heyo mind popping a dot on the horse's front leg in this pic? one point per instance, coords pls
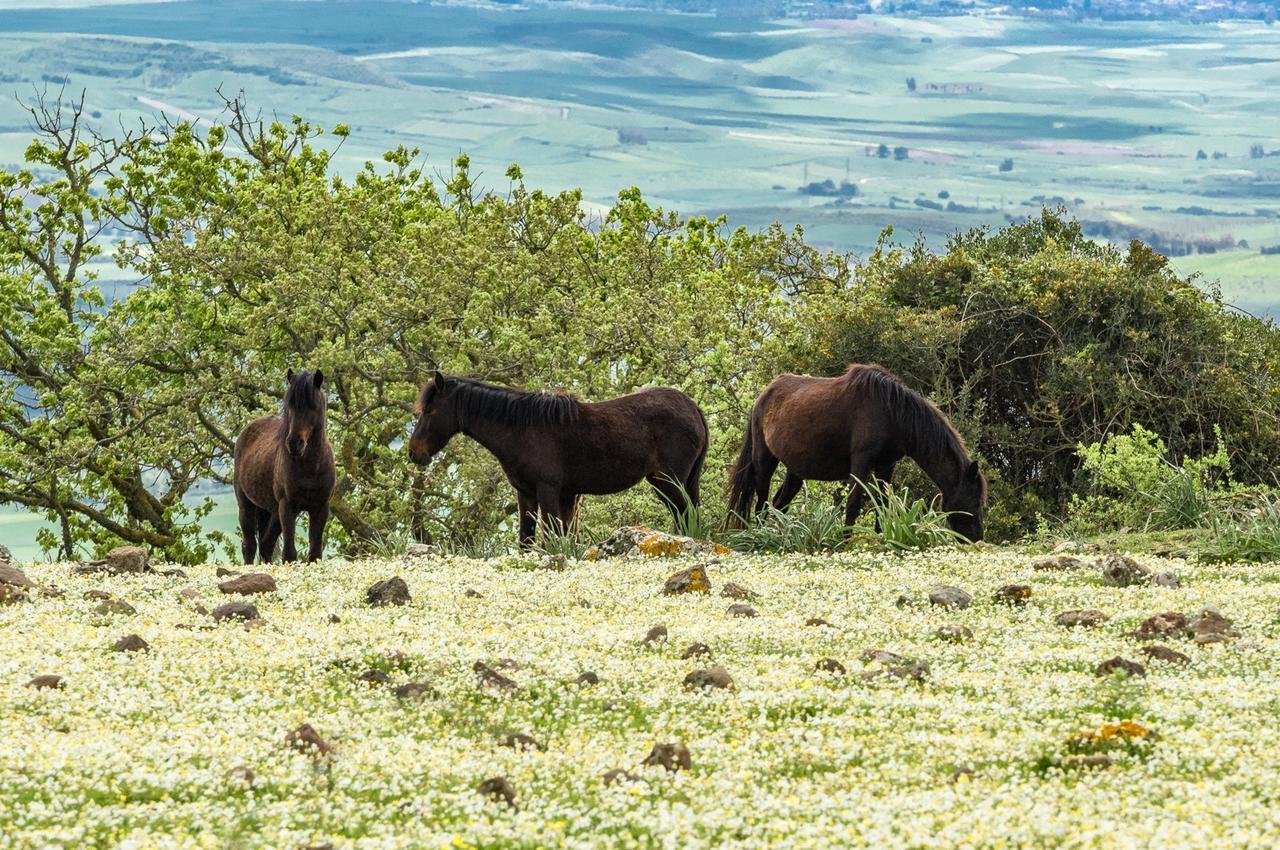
(858, 472)
(288, 519)
(315, 532)
(549, 504)
(528, 507)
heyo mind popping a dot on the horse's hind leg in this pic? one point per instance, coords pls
(248, 527)
(764, 466)
(669, 493)
(791, 484)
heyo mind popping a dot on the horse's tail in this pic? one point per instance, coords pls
(693, 483)
(742, 479)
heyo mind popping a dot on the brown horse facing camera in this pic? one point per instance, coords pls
(283, 466)
(555, 449)
(852, 428)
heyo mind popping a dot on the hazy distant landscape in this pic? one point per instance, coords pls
(1164, 131)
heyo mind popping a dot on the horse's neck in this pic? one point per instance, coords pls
(943, 469)
(494, 436)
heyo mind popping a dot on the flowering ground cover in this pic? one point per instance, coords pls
(984, 726)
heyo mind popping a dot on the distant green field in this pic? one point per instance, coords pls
(730, 115)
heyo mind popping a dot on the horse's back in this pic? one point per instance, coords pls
(807, 423)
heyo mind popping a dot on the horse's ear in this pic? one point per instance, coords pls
(288, 376)
(438, 379)
(318, 378)
(971, 472)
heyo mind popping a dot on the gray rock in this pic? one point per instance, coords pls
(412, 690)
(556, 563)
(1166, 579)
(829, 665)
(5, 554)
(392, 591)
(587, 679)
(618, 775)
(47, 681)
(655, 634)
(1058, 562)
(949, 597)
(1123, 571)
(733, 590)
(882, 656)
(695, 650)
(236, 611)
(420, 550)
(741, 609)
(11, 595)
(128, 559)
(520, 741)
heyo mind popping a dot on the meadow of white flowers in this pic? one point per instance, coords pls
(183, 744)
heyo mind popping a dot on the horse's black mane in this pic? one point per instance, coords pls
(911, 413)
(303, 393)
(506, 406)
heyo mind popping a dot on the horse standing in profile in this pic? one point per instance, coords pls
(284, 466)
(852, 428)
(555, 449)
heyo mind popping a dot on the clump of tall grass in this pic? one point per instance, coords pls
(905, 524)
(810, 525)
(690, 520)
(1245, 533)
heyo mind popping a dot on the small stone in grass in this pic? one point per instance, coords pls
(1161, 625)
(498, 789)
(223, 572)
(954, 633)
(46, 681)
(236, 611)
(673, 756)
(12, 595)
(392, 591)
(114, 606)
(490, 678)
(305, 739)
(1058, 562)
(657, 633)
(695, 650)
(471, 593)
(128, 559)
(241, 774)
(520, 741)
(617, 775)
(131, 643)
(249, 584)
(1088, 618)
(98, 595)
(1156, 652)
(1166, 579)
(713, 677)
(733, 590)
(412, 690)
(829, 665)
(1013, 594)
(1122, 665)
(741, 609)
(949, 596)
(962, 774)
(817, 621)
(882, 656)
(374, 676)
(587, 678)
(1093, 760)
(1123, 571)
(333, 619)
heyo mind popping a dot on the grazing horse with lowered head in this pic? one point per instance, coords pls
(854, 427)
(284, 466)
(555, 449)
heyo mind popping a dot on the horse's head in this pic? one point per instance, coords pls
(303, 415)
(437, 420)
(966, 502)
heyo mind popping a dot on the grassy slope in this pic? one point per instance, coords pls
(136, 748)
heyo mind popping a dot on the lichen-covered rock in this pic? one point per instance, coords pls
(128, 559)
(1013, 594)
(1058, 562)
(691, 580)
(733, 590)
